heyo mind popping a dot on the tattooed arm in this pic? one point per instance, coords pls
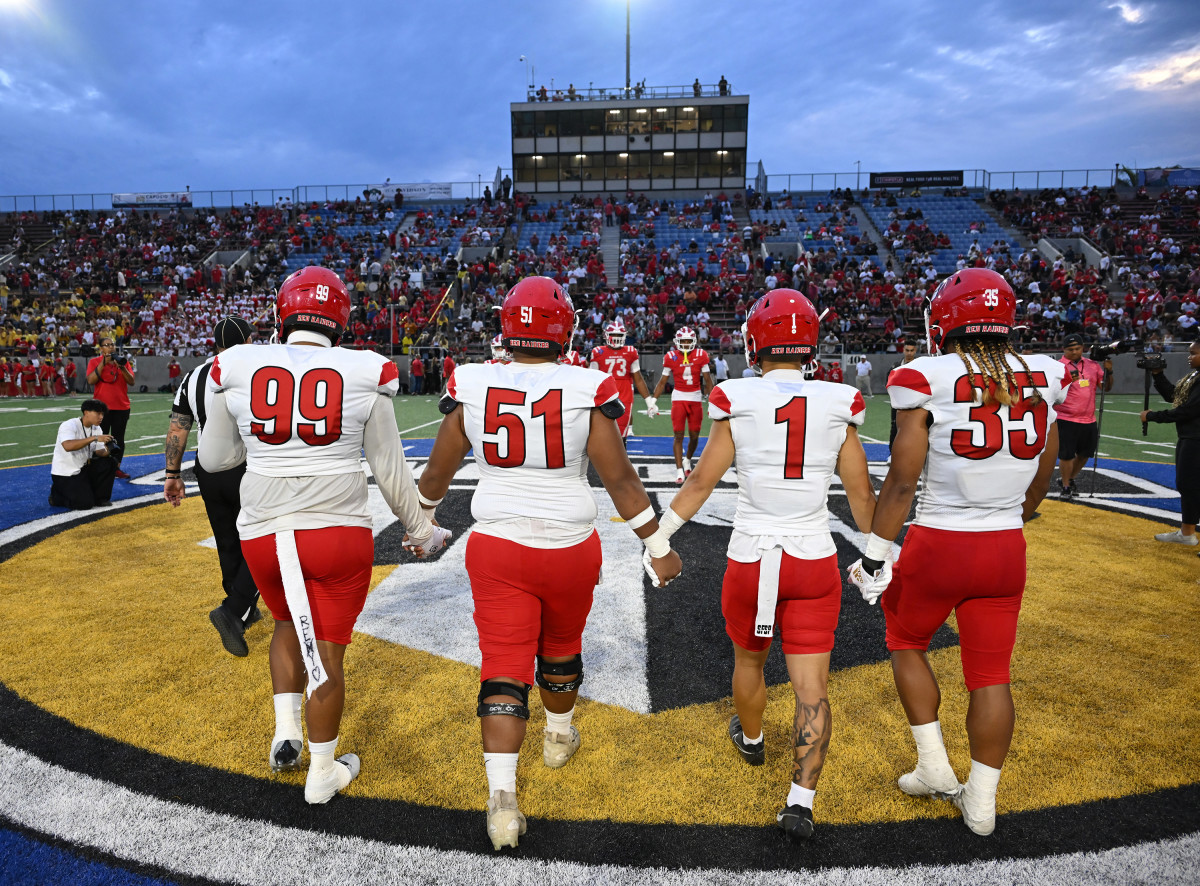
(177, 439)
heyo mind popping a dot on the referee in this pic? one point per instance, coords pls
(220, 492)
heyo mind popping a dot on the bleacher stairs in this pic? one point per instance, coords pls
(610, 251)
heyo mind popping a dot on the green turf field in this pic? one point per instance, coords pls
(28, 427)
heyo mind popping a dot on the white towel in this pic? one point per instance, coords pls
(297, 600)
(768, 591)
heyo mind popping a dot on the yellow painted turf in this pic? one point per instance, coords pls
(106, 625)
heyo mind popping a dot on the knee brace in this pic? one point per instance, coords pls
(519, 708)
(559, 669)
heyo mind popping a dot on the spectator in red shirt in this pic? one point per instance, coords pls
(447, 367)
(112, 377)
(416, 372)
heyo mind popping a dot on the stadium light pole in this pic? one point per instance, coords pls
(857, 174)
(626, 48)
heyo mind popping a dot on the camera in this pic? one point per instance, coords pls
(1147, 360)
(121, 359)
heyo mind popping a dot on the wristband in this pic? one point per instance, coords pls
(658, 544)
(670, 522)
(641, 519)
(871, 567)
(429, 502)
(877, 548)
(173, 473)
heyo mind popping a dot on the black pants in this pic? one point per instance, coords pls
(221, 492)
(115, 421)
(88, 488)
(1187, 478)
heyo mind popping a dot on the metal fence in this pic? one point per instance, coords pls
(793, 182)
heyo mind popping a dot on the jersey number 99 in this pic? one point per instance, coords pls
(281, 407)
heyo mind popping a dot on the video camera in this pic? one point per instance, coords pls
(1148, 360)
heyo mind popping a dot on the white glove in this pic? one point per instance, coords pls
(438, 540)
(649, 566)
(868, 584)
(652, 407)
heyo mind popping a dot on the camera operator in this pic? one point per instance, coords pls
(111, 375)
(81, 471)
(1078, 431)
(1185, 414)
(220, 490)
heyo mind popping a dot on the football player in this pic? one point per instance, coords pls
(687, 367)
(499, 354)
(300, 413)
(976, 423)
(572, 357)
(621, 362)
(533, 557)
(789, 435)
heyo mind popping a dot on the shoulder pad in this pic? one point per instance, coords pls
(447, 404)
(612, 409)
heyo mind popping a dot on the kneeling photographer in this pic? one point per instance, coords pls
(82, 469)
(1185, 415)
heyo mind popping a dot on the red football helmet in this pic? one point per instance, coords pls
(614, 334)
(313, 298)
(537, 316)
(974, 302)
(498, 352)
(784, 324)
(685, 339)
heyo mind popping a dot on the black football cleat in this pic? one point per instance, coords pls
(795, 821)
(754, 754)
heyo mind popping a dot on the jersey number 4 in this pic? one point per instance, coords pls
(278, 410)
(548, 409)
(988, 419)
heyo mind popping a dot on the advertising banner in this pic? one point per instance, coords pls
(941, 179)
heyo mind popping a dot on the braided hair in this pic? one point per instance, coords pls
(1184, 389)
(991, 373)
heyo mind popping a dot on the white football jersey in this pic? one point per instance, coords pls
(301, 410)
(787, 432)
(528, 424)
(981, 458)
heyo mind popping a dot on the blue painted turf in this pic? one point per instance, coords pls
(28, 862)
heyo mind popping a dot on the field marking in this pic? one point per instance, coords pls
(47, 423)
(436, 421)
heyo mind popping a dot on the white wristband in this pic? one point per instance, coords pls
(428, 502)
(641, 519)
(670, 522)
(658, 544)
(877, 548)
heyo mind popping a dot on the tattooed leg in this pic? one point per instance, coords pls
(812, 726)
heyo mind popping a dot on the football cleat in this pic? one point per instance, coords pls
(505, 823)
(929, 783)
(231, 630)
(754, 754)
(679, 476)
(320, 788)
(795, 821)
(285, 755)
(558, 748)
(980, 817)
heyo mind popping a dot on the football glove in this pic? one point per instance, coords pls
(652, 407)
(870, 585)
(431, 545)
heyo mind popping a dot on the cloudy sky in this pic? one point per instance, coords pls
(147, 95)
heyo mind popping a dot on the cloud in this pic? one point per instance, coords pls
(1132, 14)
(1171, 72)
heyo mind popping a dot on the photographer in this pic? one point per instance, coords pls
(81, 472)
(1185, 414)
(111, 375)
(1078, 431)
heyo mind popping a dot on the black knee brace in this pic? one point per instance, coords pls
(559, 669)
(506, 708)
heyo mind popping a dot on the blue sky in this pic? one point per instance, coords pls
(144, 96)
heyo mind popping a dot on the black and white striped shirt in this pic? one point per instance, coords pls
(193, 398)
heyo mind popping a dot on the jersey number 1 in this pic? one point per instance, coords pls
(793, 414)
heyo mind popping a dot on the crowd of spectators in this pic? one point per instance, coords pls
(148, 277)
